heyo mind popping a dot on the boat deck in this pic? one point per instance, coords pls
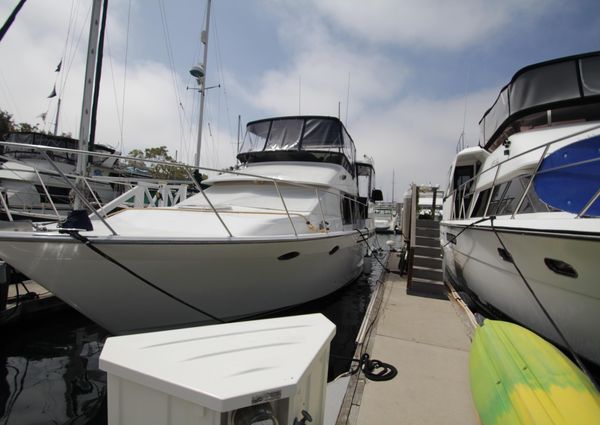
(428, 341)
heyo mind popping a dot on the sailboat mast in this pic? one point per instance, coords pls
(98, 75)
(88, 88)
(57, 116)
(202, 81)
(393, 183)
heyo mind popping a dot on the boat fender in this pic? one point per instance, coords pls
(77, 219)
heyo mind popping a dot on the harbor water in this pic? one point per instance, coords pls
(49, 365)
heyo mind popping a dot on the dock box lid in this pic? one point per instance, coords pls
(221, 367)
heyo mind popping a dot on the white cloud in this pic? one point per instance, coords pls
(428, 23)
(322, 72)
(417, 138)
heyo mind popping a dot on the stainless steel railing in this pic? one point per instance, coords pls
(467, 188)
(101, 212)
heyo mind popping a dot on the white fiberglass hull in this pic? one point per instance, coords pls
(226, 279)
(474, 261)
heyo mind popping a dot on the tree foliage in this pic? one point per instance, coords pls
(8, 125)
(159, 171)
(161, 153)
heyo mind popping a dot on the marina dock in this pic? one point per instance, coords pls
(427, 339)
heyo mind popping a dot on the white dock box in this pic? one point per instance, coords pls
(257, 372)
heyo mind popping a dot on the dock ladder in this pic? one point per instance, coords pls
(424, 252)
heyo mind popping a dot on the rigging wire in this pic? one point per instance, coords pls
(6, 88)
(70, 56)
(121, 138)
(167, 39)
(219, 62)
(116, 96)
(58, 80)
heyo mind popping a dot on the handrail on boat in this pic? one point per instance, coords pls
(83, 199)
(165, 190)
(103, 211)
(468, 186)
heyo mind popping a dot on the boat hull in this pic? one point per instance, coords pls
(474, 262)
(225, 279)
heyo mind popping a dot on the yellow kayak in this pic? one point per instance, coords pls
(519, 378)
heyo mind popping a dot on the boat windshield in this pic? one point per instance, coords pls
(561, 90)
(298, 139)
(41, 139)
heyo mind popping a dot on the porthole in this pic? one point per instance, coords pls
(288, 256)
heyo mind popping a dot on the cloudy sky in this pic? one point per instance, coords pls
(407, 76)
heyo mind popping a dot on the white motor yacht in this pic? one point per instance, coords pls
(522, 211)
(32, 189)
(288, 227)
(385, 217)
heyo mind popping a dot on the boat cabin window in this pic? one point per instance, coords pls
(284, 135)
(481, 203)
(317, 139)
(349, 209)
(317, 135)
(462, 182)
(462, 174)
(366, 183)
(497, 198)
(256, 139)
(505, 198)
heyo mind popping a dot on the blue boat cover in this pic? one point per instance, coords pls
(570, 188)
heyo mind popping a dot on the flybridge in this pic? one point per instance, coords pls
(561, 90)
(299, 138)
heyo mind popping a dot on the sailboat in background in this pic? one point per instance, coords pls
(30, 185)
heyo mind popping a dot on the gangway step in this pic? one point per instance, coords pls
(427, 241)
(428, 223)
(431, 262)
(427, 273)
(435, 288)
(428, 251)
(427, 232)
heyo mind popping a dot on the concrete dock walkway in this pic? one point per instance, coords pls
(427, 340)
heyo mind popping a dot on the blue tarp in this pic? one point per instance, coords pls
(570, 188)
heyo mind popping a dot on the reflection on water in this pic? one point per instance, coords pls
(49, 372)
(49, 369)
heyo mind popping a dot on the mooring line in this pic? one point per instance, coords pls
(76, 235)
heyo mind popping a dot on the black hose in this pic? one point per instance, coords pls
(374, 370)
(76, 235)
